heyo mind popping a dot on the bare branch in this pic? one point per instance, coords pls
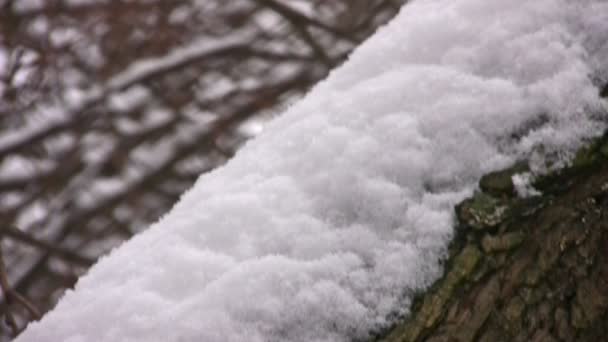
(65, 254)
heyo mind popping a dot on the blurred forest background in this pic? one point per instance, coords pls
(110, 109)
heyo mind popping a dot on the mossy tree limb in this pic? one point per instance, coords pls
(533, 269)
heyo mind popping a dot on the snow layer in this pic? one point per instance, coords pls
(324, 226)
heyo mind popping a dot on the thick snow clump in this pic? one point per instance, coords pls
(323, 226)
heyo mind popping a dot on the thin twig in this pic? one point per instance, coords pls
(65, 254)
(11, 296)
(10, 319)
(287, 11)
(29, 306)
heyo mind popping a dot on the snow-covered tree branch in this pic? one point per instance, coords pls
(328, 224)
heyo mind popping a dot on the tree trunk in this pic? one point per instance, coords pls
(531, 269)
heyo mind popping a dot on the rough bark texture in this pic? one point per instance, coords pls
(533, 269)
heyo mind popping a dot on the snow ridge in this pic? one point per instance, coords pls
(323, 226)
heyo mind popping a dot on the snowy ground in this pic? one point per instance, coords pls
(325, 224)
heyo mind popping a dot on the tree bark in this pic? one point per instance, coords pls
(524, 269)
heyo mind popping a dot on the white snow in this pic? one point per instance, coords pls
(328, 221)
(523, 185)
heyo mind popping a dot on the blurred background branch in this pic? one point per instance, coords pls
(109, 110)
